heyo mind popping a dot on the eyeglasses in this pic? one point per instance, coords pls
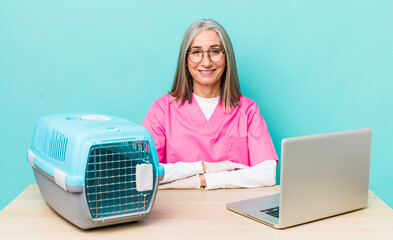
(215, 54)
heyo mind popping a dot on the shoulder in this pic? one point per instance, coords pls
(164, 105)
(163, 102)
(251, 111)
(157, 112)
(248, 105)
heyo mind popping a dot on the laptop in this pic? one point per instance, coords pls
(321, 176)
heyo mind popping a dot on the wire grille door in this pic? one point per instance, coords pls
(111, 179)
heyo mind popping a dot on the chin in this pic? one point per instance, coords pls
(207, 82)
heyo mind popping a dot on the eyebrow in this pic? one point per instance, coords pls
(215, 45)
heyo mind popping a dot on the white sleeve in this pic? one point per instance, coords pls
(262, 174)
(180, 170)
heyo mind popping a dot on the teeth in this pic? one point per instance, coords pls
(206, 71)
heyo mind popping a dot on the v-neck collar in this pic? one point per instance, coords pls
(207, 105)
(199, 121)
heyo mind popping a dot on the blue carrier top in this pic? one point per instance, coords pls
(62, 144)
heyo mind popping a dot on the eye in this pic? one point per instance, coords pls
(215, 51)
(196, 52)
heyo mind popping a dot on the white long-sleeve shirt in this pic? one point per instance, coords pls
(262, 174)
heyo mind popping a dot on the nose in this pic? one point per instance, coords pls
(206, 62)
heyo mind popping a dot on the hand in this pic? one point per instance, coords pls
(193, 182)
(203, 180)
(221, 166)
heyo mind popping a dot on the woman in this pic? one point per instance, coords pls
(207, 134)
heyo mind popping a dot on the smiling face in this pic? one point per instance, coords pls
(206, 74)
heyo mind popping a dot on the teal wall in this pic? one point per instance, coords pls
(312, 67)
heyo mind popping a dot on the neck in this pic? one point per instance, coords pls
(207, 91)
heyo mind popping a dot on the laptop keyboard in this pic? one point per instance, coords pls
(271, 211)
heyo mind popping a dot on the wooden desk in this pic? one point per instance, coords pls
(192, 214)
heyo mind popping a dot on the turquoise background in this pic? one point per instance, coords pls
(311, 66)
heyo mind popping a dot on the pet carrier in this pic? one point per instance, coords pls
(95, 170)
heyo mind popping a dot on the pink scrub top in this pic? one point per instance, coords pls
(183, 134)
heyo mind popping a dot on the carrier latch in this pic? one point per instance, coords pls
(144, 177)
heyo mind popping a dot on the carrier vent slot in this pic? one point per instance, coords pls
(110, 180)
(40, 137)
(57, 146)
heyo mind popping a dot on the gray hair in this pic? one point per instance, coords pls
(182, 87)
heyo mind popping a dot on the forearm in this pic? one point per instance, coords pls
(180, 170)
(263, 174)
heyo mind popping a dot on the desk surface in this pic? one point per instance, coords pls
(192, 214)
